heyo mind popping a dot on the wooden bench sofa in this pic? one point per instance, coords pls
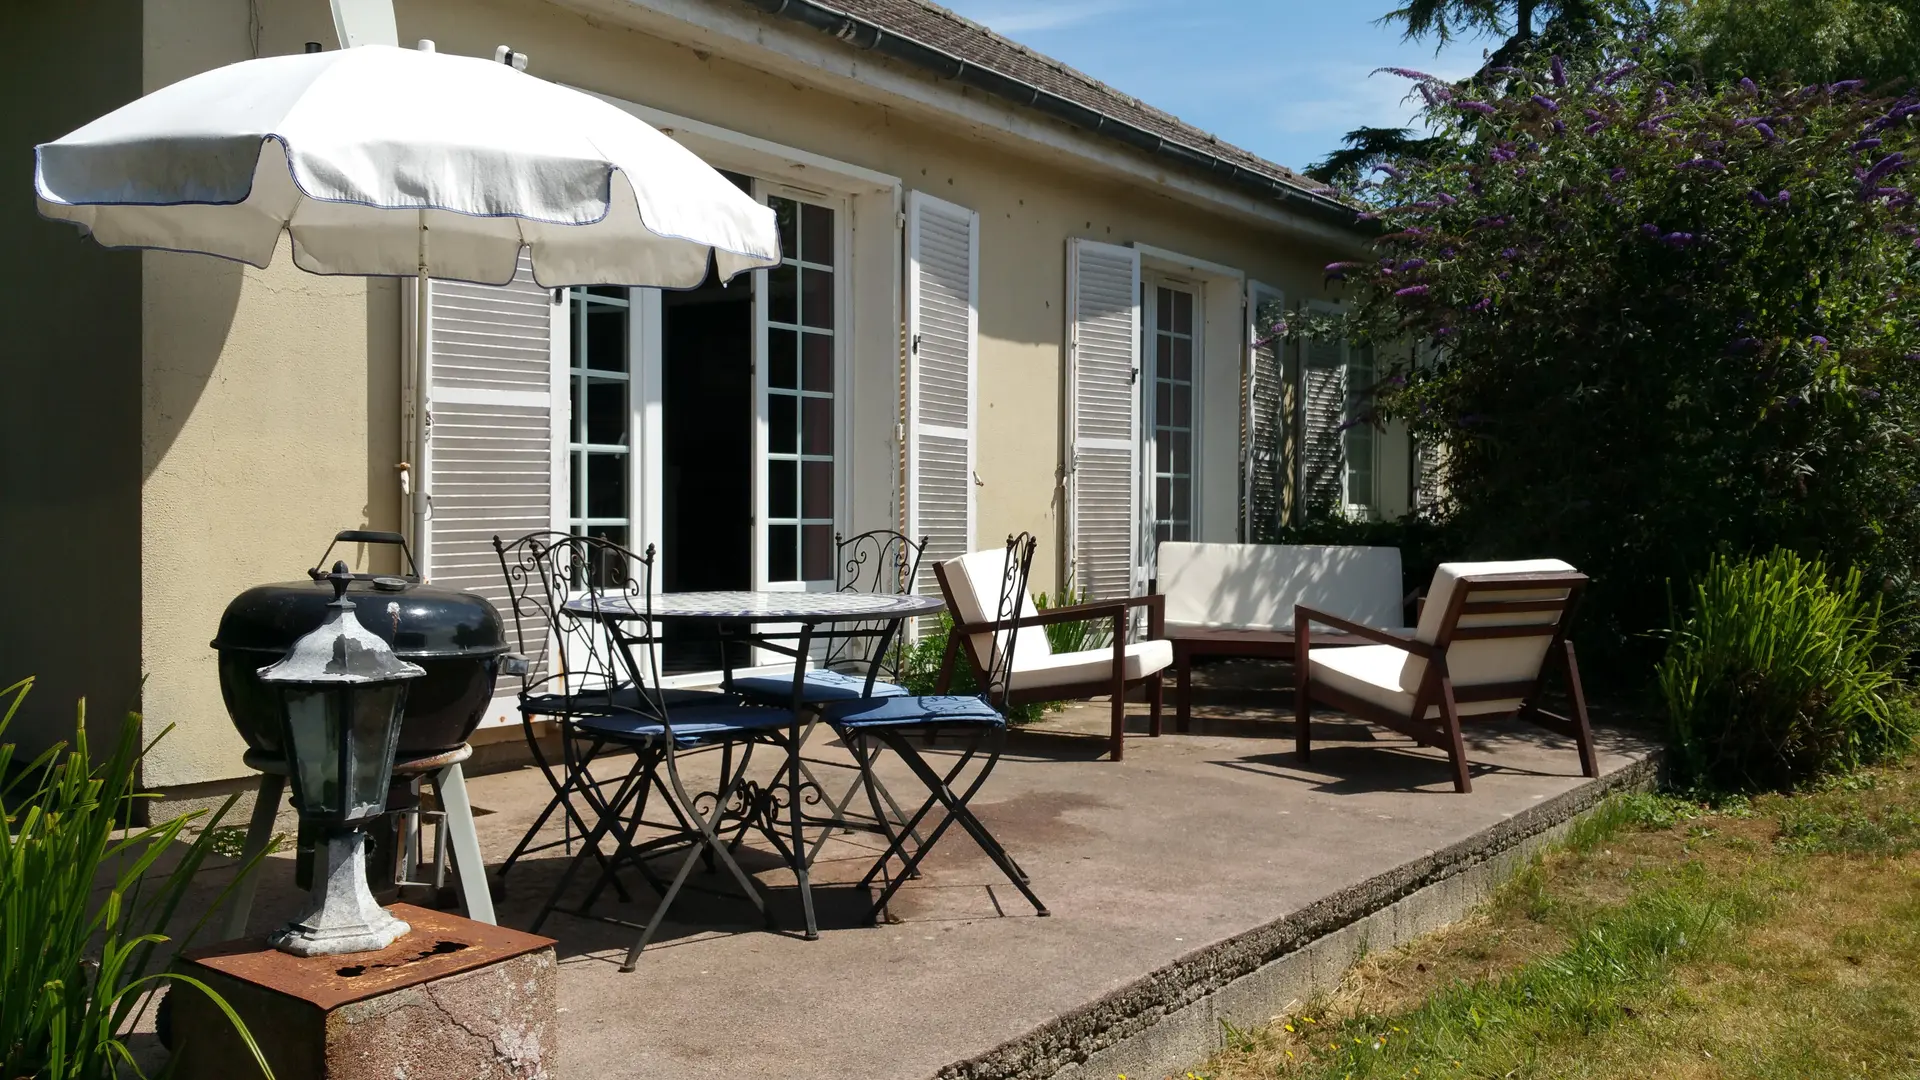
(1238, 599)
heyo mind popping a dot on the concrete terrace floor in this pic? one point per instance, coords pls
(1193, 839)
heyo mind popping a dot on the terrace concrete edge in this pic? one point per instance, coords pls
(1170, 1021)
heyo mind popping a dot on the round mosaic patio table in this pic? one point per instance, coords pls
(809, 610)
(754, 607)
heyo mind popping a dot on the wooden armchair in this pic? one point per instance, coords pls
(1039, 674)
(1487, 635)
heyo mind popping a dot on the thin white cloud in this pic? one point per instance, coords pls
(1346, 96)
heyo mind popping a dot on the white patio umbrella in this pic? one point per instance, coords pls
(384, 161)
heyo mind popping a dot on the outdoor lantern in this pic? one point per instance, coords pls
(342, 692)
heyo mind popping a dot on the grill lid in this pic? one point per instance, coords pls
(419, 621)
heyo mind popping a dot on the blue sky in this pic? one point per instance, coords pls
(1282, 78)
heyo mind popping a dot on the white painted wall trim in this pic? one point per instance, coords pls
(725, 148)
(1160, 258)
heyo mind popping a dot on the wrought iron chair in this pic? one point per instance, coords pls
(863, 660)
(571, 669)
(606, 694)
(893, 721)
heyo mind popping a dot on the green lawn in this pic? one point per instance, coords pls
(1777, 938)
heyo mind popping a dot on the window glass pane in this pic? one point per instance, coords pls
(816, 298)
(816, 552)
(1182, 359)
(816, 426)
(577, 480)
(782, 291)
(1162, 497)
(1182, 312)
(1162, 452)
(607, 412)
(816, 358)
(817, 488)
(782, 365)
(1181, 451)
(782, 561)
(784, 212)
(1180, 503)
(1164, 311)
(606, 337)
(615, 533)
(783, 489)
(1182, 405)
(783, 424)
(1162, 356)
(607, 485)
(1162, 401)
(816, 234)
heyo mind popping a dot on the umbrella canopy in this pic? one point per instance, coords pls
(386, 161)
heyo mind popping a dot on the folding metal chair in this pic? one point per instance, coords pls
(611, 698)
(893, 721)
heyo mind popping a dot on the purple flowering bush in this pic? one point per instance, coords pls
(1666, 322)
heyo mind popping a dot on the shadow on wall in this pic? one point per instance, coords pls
(180, 368)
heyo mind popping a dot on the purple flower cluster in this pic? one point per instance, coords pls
(1413, 290)
(1546, 103)
(1480, 107)
(1703, 163)
(1559, 72)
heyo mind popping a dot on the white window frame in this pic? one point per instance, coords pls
(1151, 284)
(843, 277)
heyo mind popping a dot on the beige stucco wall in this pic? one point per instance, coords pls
(69, 390)
(269, 415)
(1028, 204)
(269, 418)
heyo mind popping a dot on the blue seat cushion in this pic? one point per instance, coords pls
(930, 710)
(820, 686)
(624, 700)
(693, 725)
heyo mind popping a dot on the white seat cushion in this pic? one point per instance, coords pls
(977, 579)
(1385, 676)
(1255, 586)
(1142, 659)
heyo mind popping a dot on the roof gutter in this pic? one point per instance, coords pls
(865, 35)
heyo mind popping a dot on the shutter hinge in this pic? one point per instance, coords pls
(916, 345)
(1133, 376)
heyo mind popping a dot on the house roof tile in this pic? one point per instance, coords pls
(932, 25)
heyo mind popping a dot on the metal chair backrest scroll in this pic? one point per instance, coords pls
(879, 561)
(578, 661)
(1011, 590)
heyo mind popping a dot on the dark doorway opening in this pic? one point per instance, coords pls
(707, 456)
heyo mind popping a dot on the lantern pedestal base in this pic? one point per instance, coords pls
(341, 915)
(452, 1000)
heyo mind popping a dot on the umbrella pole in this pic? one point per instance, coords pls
(417, 496)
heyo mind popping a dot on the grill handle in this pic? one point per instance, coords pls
(366, 536)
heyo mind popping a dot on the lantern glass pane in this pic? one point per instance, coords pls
(376, 727)
(313, 731)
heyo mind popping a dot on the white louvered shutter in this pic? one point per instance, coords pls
(490, 449)
(1103, 368)
(942, 348)
(1263, 428)
(1323, 406)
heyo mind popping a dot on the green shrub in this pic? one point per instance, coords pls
(73, 969)
(1657, 320)
(1777, 677)
(920, 670)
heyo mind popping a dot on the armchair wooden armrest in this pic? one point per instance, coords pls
(1304, 617)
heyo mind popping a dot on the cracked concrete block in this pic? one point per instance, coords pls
(452, 1000)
